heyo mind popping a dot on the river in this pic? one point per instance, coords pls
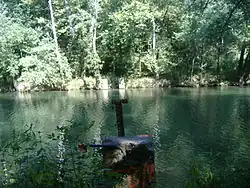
(200, 135)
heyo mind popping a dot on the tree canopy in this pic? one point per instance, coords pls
(176, 40)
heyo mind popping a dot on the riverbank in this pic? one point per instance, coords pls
(91, 83)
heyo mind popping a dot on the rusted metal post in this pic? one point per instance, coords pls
(119, 115)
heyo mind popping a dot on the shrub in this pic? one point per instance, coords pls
(44, 68)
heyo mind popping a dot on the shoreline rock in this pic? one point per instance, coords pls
(91, 83)
(75, 84)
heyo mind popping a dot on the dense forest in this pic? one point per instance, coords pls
(49, 43)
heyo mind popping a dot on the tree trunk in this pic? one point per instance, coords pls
(61, 148)
(153, 49)
(66, 5)
(218, 60)
(94, 32)
(246, 70)
(53, 28)
(83, 71)
(202, 65)
(241, 63)
(140, 68)
(94, 22)
(192, 69)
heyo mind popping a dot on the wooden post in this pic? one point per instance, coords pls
(119, 115)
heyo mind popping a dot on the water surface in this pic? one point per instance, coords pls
(204, 131)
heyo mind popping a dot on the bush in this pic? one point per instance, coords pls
(36, 159)
(44, 69)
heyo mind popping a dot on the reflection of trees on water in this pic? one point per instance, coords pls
(172, 148)
(156, 132)
(73, 118)
(122, 94)
(237, 134)
(7, 107)
(142, 111)
(173, 161)
(98, 116)
(89, 115)
(44, 110)
(201, 130)
(207, 130)
(147, 112)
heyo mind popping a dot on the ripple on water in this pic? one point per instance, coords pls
(209, 127)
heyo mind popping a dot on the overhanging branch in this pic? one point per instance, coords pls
(230, 16)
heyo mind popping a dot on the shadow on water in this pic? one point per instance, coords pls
(201, 136)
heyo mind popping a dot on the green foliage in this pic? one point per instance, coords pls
(200, 176)
(43, 68)
(127, 38)
(28, 160)
(33, 162)
(93, 63)
(174, 40)
(27, 58)
(15, 44)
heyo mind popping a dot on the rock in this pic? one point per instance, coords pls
(141, 83)
(196, 85)
(147, 83)
(75, 84)
(104, 84)
(22, 86)
(223, 84)
(36, 89)
(164, 83)
(122, 83)
(90, 83)
(113, 82)
(195, 79)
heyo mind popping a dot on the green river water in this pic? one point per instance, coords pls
(200, 135)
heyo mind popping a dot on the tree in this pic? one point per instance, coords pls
(190, 41)
(28, 57)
